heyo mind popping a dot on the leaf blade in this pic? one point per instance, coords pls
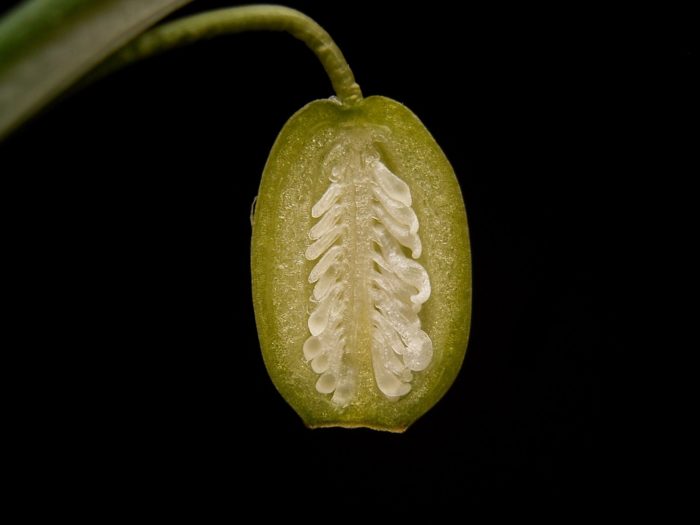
(46, 45)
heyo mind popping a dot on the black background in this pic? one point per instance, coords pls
(140, 190)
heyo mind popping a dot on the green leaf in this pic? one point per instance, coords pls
(46, 45)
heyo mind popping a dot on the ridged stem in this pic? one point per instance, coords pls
(237, 20)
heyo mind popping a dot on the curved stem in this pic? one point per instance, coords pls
(239, 19)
